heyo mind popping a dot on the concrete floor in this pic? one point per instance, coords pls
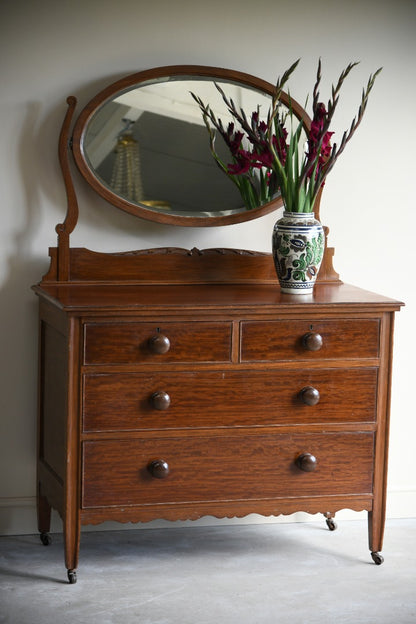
(245, 574)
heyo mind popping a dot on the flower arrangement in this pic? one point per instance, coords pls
(269, 155)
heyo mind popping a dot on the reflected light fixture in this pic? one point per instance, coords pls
(126, 178)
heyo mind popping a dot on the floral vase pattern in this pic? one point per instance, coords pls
(298, 247)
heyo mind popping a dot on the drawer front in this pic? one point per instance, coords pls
(134, 343)
(246, 467)
(287, 340)
(133, 401)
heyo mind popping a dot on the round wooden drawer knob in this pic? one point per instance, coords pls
(307, 462)
(160, 400)
(159, 344)
(159, 469)
(309, 395)
(312, 341)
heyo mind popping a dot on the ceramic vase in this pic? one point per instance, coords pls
(298, 247)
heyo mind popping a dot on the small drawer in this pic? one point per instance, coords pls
(134, 343)
(134, 401)
(300, 339)
(220, 468)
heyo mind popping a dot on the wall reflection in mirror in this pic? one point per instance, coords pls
(149, 145)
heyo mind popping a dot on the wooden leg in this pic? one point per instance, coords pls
(44, 517)
(72, 532)
(375, 535)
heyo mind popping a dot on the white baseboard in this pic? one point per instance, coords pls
(18, 516)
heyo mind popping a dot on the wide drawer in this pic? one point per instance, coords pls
(136, 342)
(302, 339)
(243, 467)
(133, 401)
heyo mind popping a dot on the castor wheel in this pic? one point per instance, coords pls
(331, 524)
(377, 558)
(45, 538)
(72, 576)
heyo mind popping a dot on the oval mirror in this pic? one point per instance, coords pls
(142, 144)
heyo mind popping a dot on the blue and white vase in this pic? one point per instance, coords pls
(298, 247)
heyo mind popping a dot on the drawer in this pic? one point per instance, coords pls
(133, 401)
(133, 343)
(301, 339)
(221, 468)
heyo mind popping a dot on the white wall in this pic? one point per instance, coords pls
(54, 49)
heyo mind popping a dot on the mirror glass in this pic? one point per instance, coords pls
(146, 149)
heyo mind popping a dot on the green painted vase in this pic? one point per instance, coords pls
(298, 247)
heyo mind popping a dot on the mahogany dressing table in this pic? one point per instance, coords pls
(182, 383)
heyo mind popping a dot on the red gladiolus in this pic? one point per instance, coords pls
(233, 139)
(279, 144)
(319, 144)
(326, 145)
(318, 120)
(243, 163)
(263, 127)
(264, 158)
(264, 163)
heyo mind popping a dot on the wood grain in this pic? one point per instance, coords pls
(282, 340)
(253, 398)
(219, 468)
(128, 343)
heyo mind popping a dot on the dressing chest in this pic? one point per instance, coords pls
(181, 383)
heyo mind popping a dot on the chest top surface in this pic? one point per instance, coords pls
(228, 280)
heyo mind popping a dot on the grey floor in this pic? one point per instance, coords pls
(245, 574)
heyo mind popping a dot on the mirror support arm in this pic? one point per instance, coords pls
(64, 229)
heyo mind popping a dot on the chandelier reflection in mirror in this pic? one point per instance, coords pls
(126, 177)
